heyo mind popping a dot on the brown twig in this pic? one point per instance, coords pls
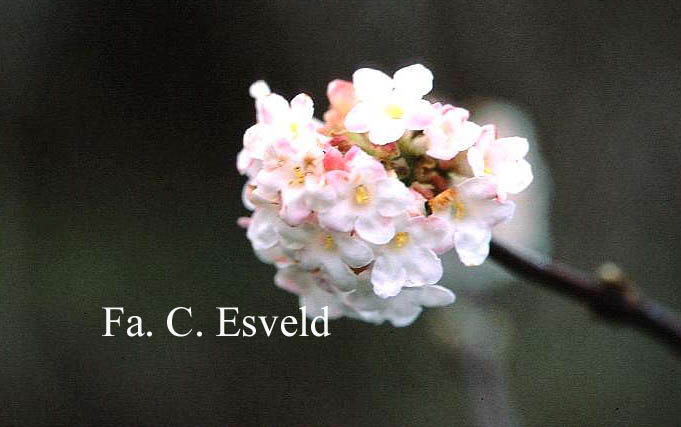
(609, 294)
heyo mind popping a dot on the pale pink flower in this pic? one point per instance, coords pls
(450, 133)
(367, 199)
(401, 309)
(334, 253)
(342, 98)
(503, 158)
(288, 175)
(473, 209)
(389, 106)
(276, 120)
(408, 259)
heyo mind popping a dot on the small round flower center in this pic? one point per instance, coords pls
(362, 195)
(329, 243)
(401, 239)
(394, 111)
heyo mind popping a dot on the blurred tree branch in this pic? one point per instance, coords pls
(610, 294)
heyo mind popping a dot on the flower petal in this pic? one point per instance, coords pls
(371, 84)
(419, 115)
(423, 267)
(375, 228)
(384, 131)
(434, 296)
(472, 242)
(387, 276)
(359, 118)
(413, 81)
(353, 251)
(392, 197)
(302, 106)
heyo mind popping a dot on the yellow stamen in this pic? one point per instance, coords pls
(488, 171)
(294, 129)
(329, 244)
(362, 195)
(394, 111)
(401, 239)
(299, 176)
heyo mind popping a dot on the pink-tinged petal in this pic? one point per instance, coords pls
(423, 267)
(341, 94)
(259, 89)
(353, 251)
(487, 136)
(478, 188)
(435, 296)
(338, 180)
(375, 229)
(384, 131)
(515, 148)
(414, 81)
(392, 197)
(294, 209)
(256, 138)
(494, 212)
(339, 218)
(333, 159)
(388, 276)
(243, 222)
(371, 84)
(364, 165)
(302, 106)
(429, 232)
(472, 242)
(419, 115)
(284, 147)
(359, 118)
(273, 107)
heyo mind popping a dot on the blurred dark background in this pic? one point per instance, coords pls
(119, 126)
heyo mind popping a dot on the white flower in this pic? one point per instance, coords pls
(387, 107)
(400, 310)
(367, 199)
(409, 259)
(503, 158)
(335, 253)
(450, 133)
(473, 210)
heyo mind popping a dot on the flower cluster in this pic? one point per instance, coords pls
(356, 211)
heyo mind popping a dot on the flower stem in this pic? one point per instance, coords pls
(610, 294)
